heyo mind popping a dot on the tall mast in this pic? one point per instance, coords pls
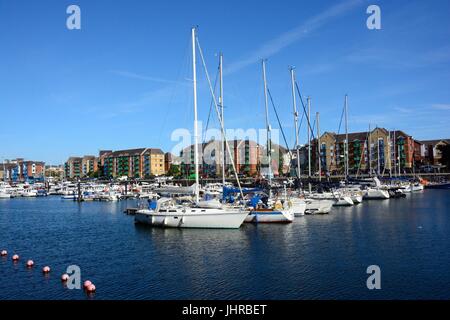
(221, 115)
(369, 146)
(390, 153)
(318, 146)
(309, 143)
(395, 155)
(294, 104)
(266, 103)
(378, 154)
(309, 136)
(194, 80)
(346, 137)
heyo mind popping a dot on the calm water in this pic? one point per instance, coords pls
(316, 257)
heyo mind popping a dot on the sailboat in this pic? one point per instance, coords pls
(166, 213)
(377, 192)
(268, 213)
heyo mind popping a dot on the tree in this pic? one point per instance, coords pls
(174, 170)
(93, 174)
(445, 154)
(280, 163)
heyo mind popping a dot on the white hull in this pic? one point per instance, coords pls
(270, 216)
(357, 199)
(193, 218)
(72, 197)
(373, 194)
(29, 194)
(314, 206)
(298, 206)
(343, 202)
(5, 196)
(413, 188)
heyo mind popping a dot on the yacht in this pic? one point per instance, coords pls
(29, 193)
(165, 213)
(278, 214)
(315, 206)
(298, 205)
(376, 194)
(4, 195)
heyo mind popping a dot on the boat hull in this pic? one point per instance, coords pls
(357, 199)
(213, 219)
(314, 206)
(344, 202)
(298, 207)
(376, 194)
(442, 186)
(270, 216)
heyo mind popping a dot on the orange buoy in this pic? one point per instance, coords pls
(91, 288)
(30, 263)
(46, 269)
(64, 277)
(4, 253)
(86, 284)
(15, 257)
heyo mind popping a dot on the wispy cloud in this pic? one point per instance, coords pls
(148, 100)
(392, 58)
(132, 75)
(403, 110)
(440, 106)
(286, 39)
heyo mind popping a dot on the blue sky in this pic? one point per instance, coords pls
(122, 81)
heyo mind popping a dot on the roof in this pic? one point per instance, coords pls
(352, 136)
(362, 136)
(434, 142)
(216, 143)
(155, 151)
(134, 152)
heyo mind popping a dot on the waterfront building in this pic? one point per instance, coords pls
(89, 165)
(378, 151)
(245, 156)
(54, 171)
(169, 160)
(430, 151)
(73, 168)
(20, 170)
(249, 159)
(133, 163)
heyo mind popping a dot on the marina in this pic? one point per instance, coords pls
(156, 151)
(320, 256)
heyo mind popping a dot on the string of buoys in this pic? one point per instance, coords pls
(88, 286)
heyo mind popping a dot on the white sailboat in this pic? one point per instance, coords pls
(298, 204)
(316, 206)
(278, 213)
(377, 192)
(168, 214)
